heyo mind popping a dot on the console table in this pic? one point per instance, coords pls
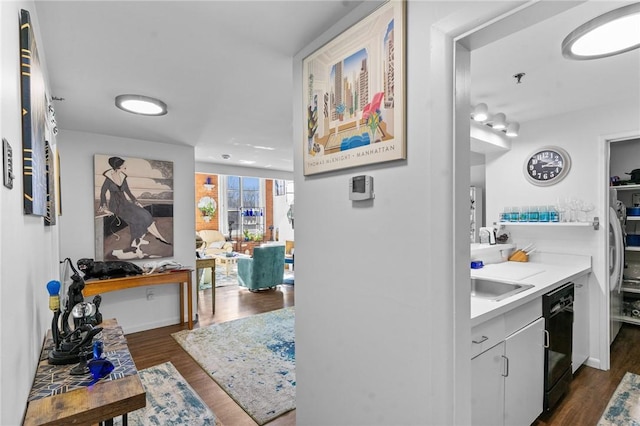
(58, 398)
(176, 276)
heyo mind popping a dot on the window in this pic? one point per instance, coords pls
(243, 193)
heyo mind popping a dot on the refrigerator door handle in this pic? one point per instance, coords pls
(615, 278)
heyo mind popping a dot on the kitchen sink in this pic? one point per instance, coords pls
(495, 290)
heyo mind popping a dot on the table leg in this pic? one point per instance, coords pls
(213, 289)
(189, 301)
(181, 303)
(229, 267)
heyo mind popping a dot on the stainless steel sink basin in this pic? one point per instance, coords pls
(495, 290)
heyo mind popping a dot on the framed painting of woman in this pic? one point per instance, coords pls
(133, 204)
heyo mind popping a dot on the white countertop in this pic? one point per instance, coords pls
(545, 271)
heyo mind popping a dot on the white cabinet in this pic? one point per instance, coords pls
(487, 387)
(524, 381)
(580, 350)
(507, 379)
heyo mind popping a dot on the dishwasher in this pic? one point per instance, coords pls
(557, 309)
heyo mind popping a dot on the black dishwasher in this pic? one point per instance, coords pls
(557, 308)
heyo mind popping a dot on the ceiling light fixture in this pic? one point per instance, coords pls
(480, 112)
(499, 121)
(143, 105)
(614, 32)
(512, 130)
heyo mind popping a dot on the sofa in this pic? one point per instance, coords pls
(213, 242)
(264, 270)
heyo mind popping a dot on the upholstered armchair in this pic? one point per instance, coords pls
(264, 270)
(214, 242)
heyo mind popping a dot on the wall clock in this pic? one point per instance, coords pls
(547, 166)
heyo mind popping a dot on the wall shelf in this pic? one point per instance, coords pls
(595, 223)
(626, 319)
(626, 187)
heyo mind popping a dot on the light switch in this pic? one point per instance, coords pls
(7, 155)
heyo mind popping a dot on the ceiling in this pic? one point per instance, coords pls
(552, 85)
(224, 68)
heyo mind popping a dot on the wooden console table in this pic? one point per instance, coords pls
(177, 276)
(58, 398)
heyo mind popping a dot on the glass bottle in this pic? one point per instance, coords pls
(533, 214)
(553, 214)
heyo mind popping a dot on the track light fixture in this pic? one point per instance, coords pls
(512, 130)
(480, 112)
(498, 122)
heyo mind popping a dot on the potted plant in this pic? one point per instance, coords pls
(247, 235)
(207, 207)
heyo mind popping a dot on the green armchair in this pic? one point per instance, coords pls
(264, 270)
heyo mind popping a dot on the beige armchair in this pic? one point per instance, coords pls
(214, 242)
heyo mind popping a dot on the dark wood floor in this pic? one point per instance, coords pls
(590, 390)
(152, 347)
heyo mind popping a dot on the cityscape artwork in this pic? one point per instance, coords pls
(354, 96)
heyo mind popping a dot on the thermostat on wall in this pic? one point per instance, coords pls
(361, 188)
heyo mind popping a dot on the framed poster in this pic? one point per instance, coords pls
(354, 95)
(133, 204)
(34, 107)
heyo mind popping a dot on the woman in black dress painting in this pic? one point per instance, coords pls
(129, 210)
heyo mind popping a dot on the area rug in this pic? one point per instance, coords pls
(222, 280)
(170, 400)
(252, 359)
(624, 406)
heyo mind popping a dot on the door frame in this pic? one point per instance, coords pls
(605, 142)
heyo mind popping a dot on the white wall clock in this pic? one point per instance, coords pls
(547, 165)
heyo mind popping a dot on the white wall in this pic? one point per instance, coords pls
(377, 320)
(28, 249)
(580, 134)
(130, 307)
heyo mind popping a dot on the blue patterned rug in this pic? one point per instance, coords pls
(222, 280)
(624, 406)
(170, 401)
(252, 359)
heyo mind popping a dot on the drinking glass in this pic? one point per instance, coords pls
(543, 214)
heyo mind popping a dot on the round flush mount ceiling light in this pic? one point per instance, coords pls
(614, 32)
(138, 104)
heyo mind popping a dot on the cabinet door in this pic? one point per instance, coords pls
(524, 384)
(487, 387)
(580, 350)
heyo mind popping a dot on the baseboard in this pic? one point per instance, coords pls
(593, 362)
(151, 325)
